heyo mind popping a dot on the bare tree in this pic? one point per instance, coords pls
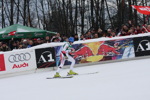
(12, 12)
(3, 20)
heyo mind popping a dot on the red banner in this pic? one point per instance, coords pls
(2, 63)
(142, 9)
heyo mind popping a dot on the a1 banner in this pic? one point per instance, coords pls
(17, 61)
(142, 46)
(2, 63)
(45, 57)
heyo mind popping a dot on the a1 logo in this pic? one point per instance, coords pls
(46, 57)
(144, 45)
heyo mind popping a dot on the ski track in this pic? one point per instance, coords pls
(129, 80)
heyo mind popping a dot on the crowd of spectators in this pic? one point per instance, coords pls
(126, 30)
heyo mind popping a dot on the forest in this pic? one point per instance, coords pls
(71, 16)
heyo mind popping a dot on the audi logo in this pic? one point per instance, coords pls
(19, 57)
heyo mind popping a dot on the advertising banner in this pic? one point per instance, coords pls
(142, 46)
(102, 51)
(21, 60)
(2, 63)
(45, 57)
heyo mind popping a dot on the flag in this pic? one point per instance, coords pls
(12, 33)
(142, 9)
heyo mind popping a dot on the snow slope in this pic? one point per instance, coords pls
(128, 80)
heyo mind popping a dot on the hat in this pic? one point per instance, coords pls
(24, 40)
(38, 39)
(71, 39)
(35, 39)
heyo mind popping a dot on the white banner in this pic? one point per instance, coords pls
(20, 60)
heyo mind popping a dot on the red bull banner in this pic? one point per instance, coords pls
(101, 51)
(142, 9)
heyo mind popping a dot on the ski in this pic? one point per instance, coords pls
(71, 76)
(88, 73)
(63, 77)
(84, 74)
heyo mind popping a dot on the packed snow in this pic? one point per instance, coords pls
(129, 80)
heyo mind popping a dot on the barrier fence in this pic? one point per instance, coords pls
(85, 52)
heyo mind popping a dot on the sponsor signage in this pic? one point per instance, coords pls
(101, 51)
(2, 63)
(142, 46)
(18, 35)
(5, 36)
(38, 34)
(45, 57)
(20, 60)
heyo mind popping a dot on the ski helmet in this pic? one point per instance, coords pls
(71, 39)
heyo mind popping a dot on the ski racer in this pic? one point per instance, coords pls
(66, 54)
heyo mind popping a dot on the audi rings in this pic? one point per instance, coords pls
(19, 57)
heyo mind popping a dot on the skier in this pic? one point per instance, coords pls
(66, 54)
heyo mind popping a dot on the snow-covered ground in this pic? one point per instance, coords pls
(128, 80)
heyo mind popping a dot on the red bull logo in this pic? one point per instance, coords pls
(84, 52)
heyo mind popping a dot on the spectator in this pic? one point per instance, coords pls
(109, 32)
(20, 46)
(47, 39)
(39, 41)
(104, 33)
(65, 39)
(24, 43)
(113, 34)
(42, 41)
(30, 44)
(130, 32)
(35, 42)
(127, 29)
(138, 30)
(0, 44)
(130, 24)
(14, 46)
(148, 28)
(11, 43)
(95, 35)
(144, 29)
(88, 35)
(18, 43)
(57, 36)
(4, 47)
(55, 40)
(82, 37)
(100, 32)
(124, 31)
(76, 37)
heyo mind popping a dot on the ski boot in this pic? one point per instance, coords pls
(57, 75)
(72, 73)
